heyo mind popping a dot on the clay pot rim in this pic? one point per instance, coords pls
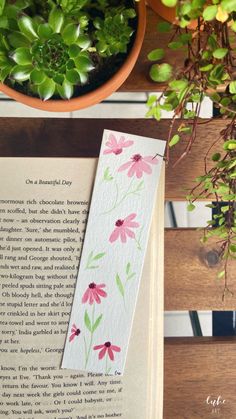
(97, 95)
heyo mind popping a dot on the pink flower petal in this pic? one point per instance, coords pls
(146, 168)
(101, 292)
(127, 143)
(123, 235)
(86, 296)
(110, 353)
(71, 337)
(112, 140)
(131, 224)
(129, 218)
(130, 233)
(114, 235)
(73, 327)
(96, 296)
(125, 166)
(91, 297)
(98, 347)
(102, 352)
(115, 348)
(101, 286)
(132, 169)
(107, 151)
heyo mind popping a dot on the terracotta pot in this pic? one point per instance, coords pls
(167, 13)
(98, 94)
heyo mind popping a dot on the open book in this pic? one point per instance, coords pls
(43, 209)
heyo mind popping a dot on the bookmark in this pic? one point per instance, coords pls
(113, 253)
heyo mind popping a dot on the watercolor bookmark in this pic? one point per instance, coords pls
(113, 253)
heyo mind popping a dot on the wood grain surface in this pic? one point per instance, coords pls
(191, 273)
(194, 369)
(82, 137)
(139, 78)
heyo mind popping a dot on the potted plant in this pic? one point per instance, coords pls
(208, 70)
(63, 55)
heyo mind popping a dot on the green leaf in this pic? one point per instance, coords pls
(46, 89)
(207, 67)
(74, 50)
(224, 209)
(232, 87)
(83, 64)
(37, 76)
(228, 5)
(209, 13)
(83, 41)
(216, 157)
(174, 140)
(164, 27)
(161, 72)
(70, 34)
(66, 90)
(221, 274)
(96, 324)
(22, 56)
(151, 100)
(17, 39)
(156, 54)
(87, 321)
(45, 31)
(169, 3)
(21, 73)
(73, 76)
(175, 45)
(220, 53)
(178, 84)
(232, 247)
(2, 5)
(27, 27)
(230, 145)
(120, 285)
(191, 207)
(56, 19)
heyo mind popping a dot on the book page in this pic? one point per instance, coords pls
(43, 211)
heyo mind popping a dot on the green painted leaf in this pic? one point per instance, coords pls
(46, 89)
(27, 27)
(120, 285)
(174, 140)
(220, 53)
(127, 270)
(96, 324)
(56, 19)
(99, 256)
(22, 56)
(209, 13)
(161, 72)
(87, 321)
(156, 54)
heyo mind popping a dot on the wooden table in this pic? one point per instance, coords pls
(195, 368)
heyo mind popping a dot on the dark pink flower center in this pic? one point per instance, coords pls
(107, 344)
(119, 223)
(137, 157)
(77, 332)
(118, 150)
(92, 285)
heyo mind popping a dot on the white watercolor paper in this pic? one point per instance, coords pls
(113, 254)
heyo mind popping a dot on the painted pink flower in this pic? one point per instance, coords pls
(115, 146)
(93, 293)
(108, 348)
(138, 165)
(74, 332)
(122, 229)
